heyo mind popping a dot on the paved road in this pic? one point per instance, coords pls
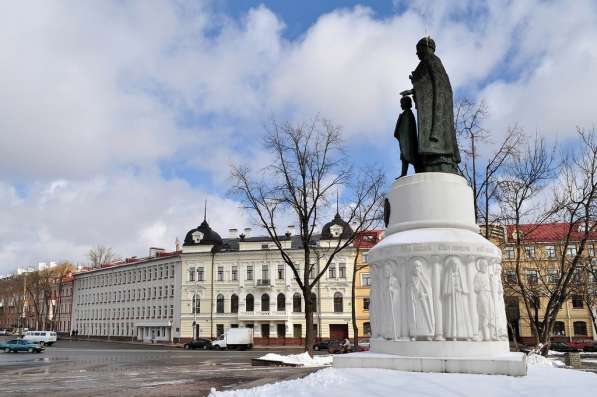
(81, 368)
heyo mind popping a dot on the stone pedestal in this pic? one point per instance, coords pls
(436, 297)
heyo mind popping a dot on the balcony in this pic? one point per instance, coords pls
(262, 316)
(264, 283)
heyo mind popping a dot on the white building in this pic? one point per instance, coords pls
(214, 284)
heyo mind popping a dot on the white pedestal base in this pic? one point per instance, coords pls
(512, 364)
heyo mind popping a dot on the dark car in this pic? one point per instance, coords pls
(565, 347)
(20, 345)
(337, 346)
(321, 345)
(199, 343)
(590, 347)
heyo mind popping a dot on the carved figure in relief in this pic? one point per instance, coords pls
(395, 293)
(420, 305)
(384, 308)
(497, 293)
(373, 304)
(485, 307)
(457, 320)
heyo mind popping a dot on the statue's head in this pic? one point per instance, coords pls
(482, 265)
(406, 102)
(425, 46)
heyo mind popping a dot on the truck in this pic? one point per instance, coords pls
(234, 338)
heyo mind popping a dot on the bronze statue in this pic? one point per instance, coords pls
(406, 133)
(432, 92)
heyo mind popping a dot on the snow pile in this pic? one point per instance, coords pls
(358, 382)
(537, 360)
(302, 359)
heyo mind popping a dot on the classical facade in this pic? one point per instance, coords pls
(212, 284)
(541, 253)
(133, 299)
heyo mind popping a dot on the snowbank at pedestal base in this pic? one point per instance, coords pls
(358, 382)
(303, 359)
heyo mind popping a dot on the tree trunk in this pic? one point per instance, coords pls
(309, 335)
(355, 327)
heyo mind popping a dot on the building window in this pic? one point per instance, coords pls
(234, 303)
(366, 303)
(191, 274)
(296, 302)
(510, 276)
(264, 272)
(171, 311)
(281, 330)
(580, 328)
(591, 250)
(571, 250)
(250, 272)
(342, 270)
(577, 301)
(509, 252)
(200, 274)
(219, 329)
(172, 290)
(365, 280)
(552, 276)
(281, 302)
(550, 251)
(196, 304)
(529, 251)
(265, 330)
(332, 271)
(532, 277)
(265, 303)
(234, 273)
(559, 329)
(338, 304)
(220, 304)
(367, 328)
(281, 271)
(220, 273)
(249, 303)
(297, 330)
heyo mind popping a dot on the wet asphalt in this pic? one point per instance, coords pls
(88, 368)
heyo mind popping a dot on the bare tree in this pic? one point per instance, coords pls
(573, 206)
(468, 119)
(100, 256)
(308, 168)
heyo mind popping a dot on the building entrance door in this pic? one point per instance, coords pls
(338, 331)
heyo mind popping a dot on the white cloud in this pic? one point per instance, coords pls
(94, 97)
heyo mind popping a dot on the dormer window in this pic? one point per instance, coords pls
(336, 230)
(197, 236)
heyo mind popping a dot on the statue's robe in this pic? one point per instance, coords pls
(406, 133)
(435, 113)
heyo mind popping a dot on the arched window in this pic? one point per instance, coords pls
(234, 303)
(249, 303)
(220, 304)
(265, 303)
(281, 306)
(296, 302)
(338, 303)
(314, 302)
(580, 328)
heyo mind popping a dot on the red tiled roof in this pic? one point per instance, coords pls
(368, 239)
(549, 232)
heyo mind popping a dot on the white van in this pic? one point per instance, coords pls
(41, 337)
(234, 338)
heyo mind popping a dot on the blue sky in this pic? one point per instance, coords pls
(118, 118)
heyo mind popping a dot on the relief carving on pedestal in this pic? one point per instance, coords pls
(455, 291)
(421, 319)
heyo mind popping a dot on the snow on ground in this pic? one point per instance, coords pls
(302, 359)
(537, 360)
(542, 380)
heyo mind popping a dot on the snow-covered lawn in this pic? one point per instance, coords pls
(543, 379)
(302, 359)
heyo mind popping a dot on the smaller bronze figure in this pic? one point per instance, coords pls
(406, 133)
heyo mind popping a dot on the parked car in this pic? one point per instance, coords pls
(199, 343)
(20, 345)
(364, 345)
(41, 337)
(590, 347)
(566, 346)
(337, 346)
(3, 332)
(235, 338)
(321, 345)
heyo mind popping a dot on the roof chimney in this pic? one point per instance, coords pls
(233, 233)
